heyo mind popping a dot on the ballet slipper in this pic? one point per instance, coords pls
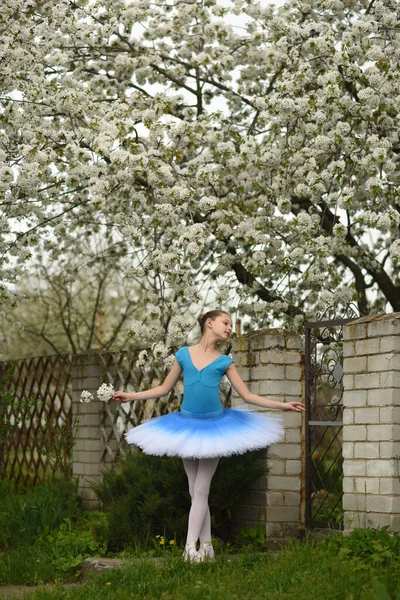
(206, 551)
(190, 553)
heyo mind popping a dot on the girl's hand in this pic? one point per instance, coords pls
(296, 406)
(121, 397)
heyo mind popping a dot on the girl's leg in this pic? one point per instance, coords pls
(191, 467)
(205, 531)
(199, 511)
(190, 553)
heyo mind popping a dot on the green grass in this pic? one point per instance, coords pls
(303, 571)
(28, 565)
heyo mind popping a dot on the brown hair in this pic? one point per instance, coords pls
(211, 314)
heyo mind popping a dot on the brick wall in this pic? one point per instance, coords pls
(371, 433)
(270, 363)
(87, 451)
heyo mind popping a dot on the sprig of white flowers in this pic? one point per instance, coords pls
(86, 396)
(104, 393)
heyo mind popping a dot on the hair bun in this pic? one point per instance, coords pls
(200, 319)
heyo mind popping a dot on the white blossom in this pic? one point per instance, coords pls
(166, 174)
(395, 250)
(168, 361)
(193, 249)
(304, 222)
(142, 359)
(105, 392)
(153, 311)
(284, 205)
(297, 253)
(327, 297)
(160, 350)
(86, 396)
(207, 203)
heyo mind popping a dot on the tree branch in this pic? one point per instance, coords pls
(244, 277)
(95, 309)
(328, 220)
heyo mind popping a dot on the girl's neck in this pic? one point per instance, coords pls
(207, 345)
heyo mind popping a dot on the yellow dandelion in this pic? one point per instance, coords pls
(108, 583)
(162, 542)
(158, 536)
(172, 542)
(38, 560)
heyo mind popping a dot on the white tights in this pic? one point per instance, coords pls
(199, 473)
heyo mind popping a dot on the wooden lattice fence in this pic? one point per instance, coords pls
(36, 419)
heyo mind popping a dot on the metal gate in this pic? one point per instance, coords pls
(324, 416)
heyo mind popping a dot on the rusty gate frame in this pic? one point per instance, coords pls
(334, 373)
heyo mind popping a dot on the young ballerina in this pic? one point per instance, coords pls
(203, 430)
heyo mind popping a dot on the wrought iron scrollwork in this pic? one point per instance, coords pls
(325, 370)
(334, 311)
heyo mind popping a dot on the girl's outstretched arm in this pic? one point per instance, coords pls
(243, 391)
(157, 392)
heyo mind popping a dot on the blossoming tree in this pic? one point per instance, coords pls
(242, 150)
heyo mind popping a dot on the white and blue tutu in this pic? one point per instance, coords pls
(202, 428)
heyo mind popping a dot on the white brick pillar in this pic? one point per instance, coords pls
(270, 362)
(371, 416)
(86, 453)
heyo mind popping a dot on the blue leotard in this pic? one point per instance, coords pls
(201, 386)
